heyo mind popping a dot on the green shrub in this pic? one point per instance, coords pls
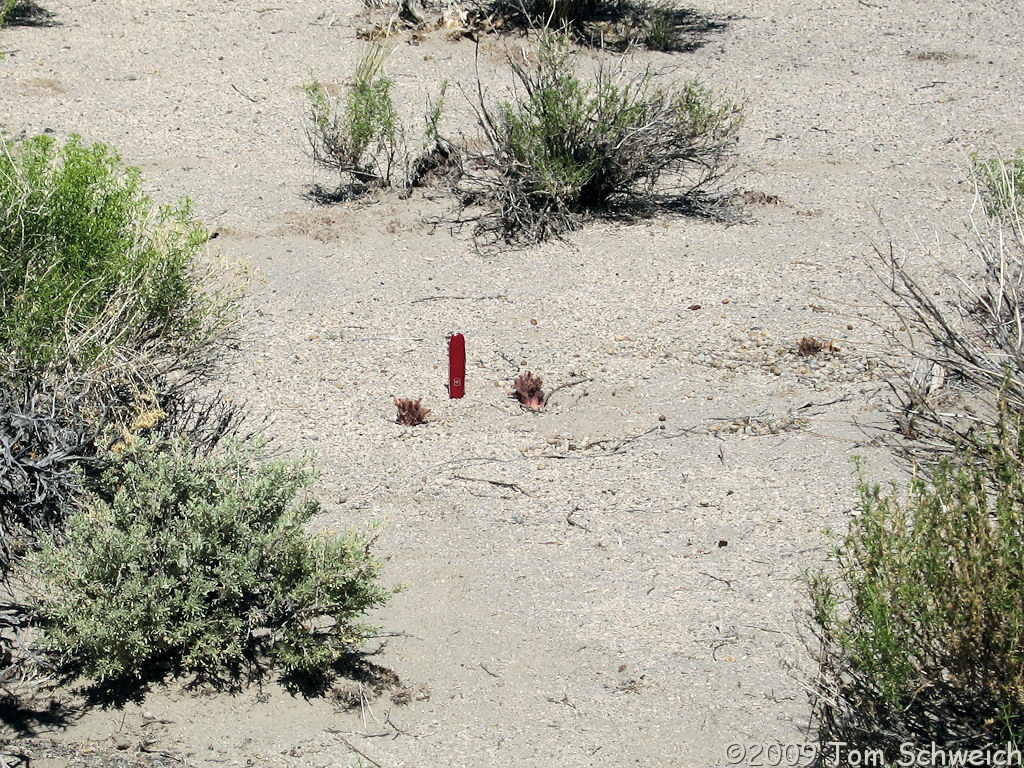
(660, 32)
(91, 275)
(362, 138)
(921, 621)
(1001, 184)
(565, 147)
(202, 565)
(6, 6)
(103, 320)
(358, 137)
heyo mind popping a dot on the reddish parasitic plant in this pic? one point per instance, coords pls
(410, 412)
(810, 346)
(528, 391)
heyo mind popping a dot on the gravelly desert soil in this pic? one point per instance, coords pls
(615, 581)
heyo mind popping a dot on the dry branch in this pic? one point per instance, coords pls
(966, 355)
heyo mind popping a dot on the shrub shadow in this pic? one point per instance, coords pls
(490, 236)
(27, 720)
(354, 667)
(21, 709)
(693, 29)
(343, 193)
(114, 692)
(620, 24)
(718, 207)
(28, 13)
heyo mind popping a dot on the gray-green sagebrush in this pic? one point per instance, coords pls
(566, 146)
(202, 564)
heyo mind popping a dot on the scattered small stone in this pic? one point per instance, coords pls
(120, 741)
(757, 348)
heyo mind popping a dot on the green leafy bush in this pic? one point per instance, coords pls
(202, 564)
(362, 138)
(91, 275)
(6, 6)
(565, 147)
(358, 137)
(921, 621)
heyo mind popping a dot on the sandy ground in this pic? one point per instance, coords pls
(616, 581)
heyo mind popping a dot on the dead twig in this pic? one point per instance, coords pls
(727, 582)
(621, 444)
(387, 338)
(465, 461)
(718, 644)
(356, 749)
(484, 297)
(244, 94)
(501, 484)
(566, 386)
(833, 401)
(575, 523)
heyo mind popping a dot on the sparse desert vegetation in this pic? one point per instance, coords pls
(609, 565)
(567, 146)
(193, 564)
(162, 540)
(563, 148)
(362, 138)
(919, 625)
